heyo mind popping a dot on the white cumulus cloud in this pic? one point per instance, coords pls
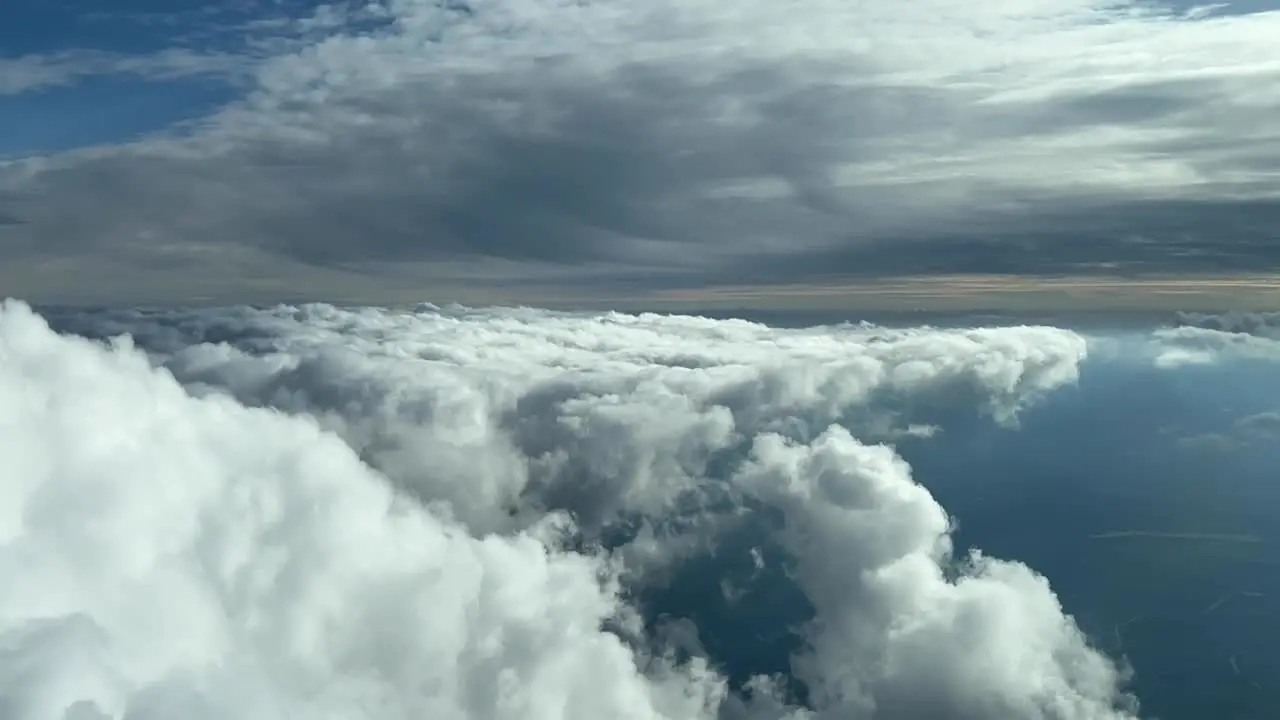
(167, 556)
(355, 513)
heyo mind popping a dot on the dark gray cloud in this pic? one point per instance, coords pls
(1260, 324)
(619, 147)
(1130, 239)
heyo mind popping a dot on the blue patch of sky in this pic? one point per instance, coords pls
(48, 26)
(101, 110)
(141, 26)
(105, 109)
(97, 109)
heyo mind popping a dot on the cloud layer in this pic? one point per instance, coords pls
(617, 145)
(41, 72)
(1202, 338)
(451, 513)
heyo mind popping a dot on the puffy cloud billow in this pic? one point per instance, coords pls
(450, 513)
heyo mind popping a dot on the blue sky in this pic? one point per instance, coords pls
(99, 109)
(622, 148)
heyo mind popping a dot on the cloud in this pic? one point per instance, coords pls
(623, 144)
(880, 591)
(1259, 324)
(1256, 430)
(631, 406)
(28, 73)
(194, 558)
(1203, 338)
(371, 514)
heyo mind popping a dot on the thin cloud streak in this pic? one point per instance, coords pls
(31, 73)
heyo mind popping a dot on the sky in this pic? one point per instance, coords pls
(330, 469)
(626, 152)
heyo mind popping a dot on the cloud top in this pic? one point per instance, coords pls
(249, 513)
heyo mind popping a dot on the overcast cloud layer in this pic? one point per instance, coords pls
(335, 513)
(532, 147)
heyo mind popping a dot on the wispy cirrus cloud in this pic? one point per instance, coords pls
(40, 72)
